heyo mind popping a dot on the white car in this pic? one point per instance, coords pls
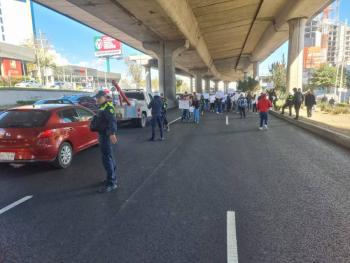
(138, 110)
(28, 84)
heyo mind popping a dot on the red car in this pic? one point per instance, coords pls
(49, 133)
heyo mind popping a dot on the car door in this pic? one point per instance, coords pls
(71, 127)
(85, 118)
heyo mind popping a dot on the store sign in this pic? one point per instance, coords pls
(106, 46)
(11, 68)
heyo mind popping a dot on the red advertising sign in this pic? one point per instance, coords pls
(106, 46)
(11, 68)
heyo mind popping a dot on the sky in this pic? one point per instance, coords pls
(73, 42)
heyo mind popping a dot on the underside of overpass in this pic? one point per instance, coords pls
(221, 39)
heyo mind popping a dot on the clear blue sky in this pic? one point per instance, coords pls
(74, 41)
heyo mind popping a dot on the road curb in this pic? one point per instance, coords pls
(330, 135)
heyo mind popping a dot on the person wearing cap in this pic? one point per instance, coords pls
(157, 107)
(105, 123)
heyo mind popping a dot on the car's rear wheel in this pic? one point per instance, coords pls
(64, 157)
(142, 122)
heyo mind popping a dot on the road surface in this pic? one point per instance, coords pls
(289, 191)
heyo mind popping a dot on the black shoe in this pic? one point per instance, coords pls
(108, 189)
(296, 118)
(151, 140)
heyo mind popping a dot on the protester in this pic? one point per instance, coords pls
(249, 101)
(212, 103)
(254, 102)
(196, 109)
(263, 107)
(156, 105)
(297, 101)
(324, 99)
(310, 101)
(288, 103)
(185, 112)
(228, 103)
(218, 105)
(202, 105)
(242, 105)
(164, 114)
(332, 102)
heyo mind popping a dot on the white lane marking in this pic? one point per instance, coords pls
(232, 251)
(18, 202)
(226, 120)
(174, 121)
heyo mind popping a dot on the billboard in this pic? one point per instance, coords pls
(106, 46)
(314, 57)
(11, 68)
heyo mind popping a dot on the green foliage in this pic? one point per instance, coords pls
(340, 108)
(278, 71)
(249, 84)
(135, 71)
(324, 77)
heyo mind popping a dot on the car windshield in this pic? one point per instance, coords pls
(135, 95)
(49, 102)
(23, 119)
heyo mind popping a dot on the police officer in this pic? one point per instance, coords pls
(288, 104)
(105, 123)
(157, 107)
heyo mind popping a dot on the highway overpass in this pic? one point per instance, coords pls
(218, 39)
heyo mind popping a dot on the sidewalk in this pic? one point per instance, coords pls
(339, 123)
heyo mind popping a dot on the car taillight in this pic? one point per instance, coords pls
(46, 134)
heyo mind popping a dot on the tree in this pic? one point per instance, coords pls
(278, 72)
(324, 77)
(135, 71)
(249, 84)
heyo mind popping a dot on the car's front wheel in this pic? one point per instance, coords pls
(64, 157)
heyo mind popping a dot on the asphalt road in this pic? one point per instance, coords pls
(289, 189)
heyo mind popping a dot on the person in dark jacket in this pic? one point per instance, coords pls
(288, 104)
(105, 123)
(157, 107)
(297, 101)
(310, 101)
(164, 114)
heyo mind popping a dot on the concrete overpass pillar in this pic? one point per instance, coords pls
(216, 86)
(225, 87)
(148, 79)
(207, 85)
(256, 70)
(245, 75)
(295, 53)
(198, 79)
(166, 51)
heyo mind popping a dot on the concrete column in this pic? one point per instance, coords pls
(245, 75)
(198, 79)
(216, 86)
(166, 51)
(256, 70)
(207, 85)
(295, 53)
(225, 87)
(191, 84)
(148, 79)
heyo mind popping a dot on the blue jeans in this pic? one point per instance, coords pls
(263, 118)
(196, 115)
(157, 120)
(108, 159)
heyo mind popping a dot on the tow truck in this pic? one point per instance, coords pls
(132, 105)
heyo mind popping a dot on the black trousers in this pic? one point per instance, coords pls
(309, 111)
(297, 109)
(242, 112)
(287, 105)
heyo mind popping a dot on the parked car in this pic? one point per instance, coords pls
(61, 85)
(83, 100)
(53, 101)
(28, 84)
(45, 133)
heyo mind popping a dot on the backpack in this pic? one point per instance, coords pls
(243, 103)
